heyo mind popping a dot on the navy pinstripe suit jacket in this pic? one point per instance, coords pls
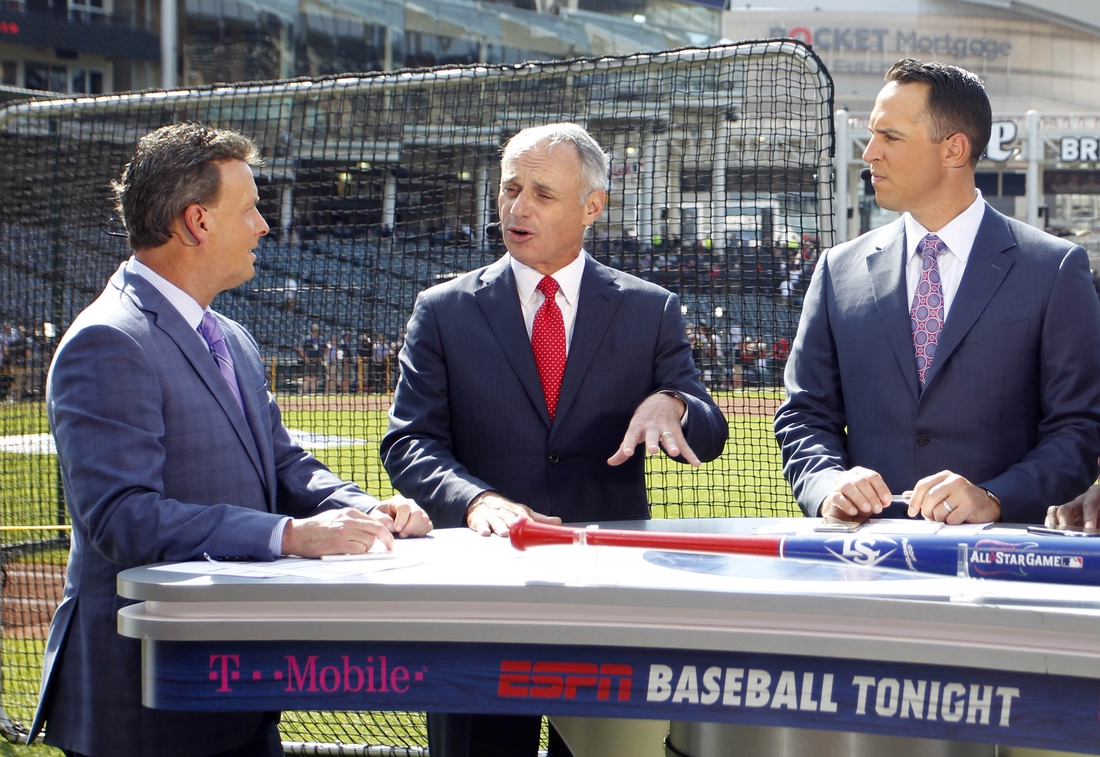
(1011, 401)
(469, 413)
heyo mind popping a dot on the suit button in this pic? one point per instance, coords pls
(553, 459)
(923, 439)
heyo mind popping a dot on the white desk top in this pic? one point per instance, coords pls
(458, 587)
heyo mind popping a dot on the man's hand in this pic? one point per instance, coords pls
(403, 517)
(656, 422)
(1080, 513)
(857, 494)
(491, 513)
(951, 499)
(336, 532)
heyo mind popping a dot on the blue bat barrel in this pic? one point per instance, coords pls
(1004, 556)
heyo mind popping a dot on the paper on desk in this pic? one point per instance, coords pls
(466, 556)
(375, 562)
(901, 526)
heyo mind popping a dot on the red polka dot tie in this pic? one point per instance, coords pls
(926, 316)
(548, 342)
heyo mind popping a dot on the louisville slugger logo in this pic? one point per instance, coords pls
(864, 551)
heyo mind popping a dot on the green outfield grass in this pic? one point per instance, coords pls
(745, 481)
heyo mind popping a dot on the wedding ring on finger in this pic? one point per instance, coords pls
(947, 506)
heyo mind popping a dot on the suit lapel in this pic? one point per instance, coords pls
(887, 268)
(191, 345)
(599, 298)
(500, 304)
(986, 268)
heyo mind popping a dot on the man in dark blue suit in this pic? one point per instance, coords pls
(955, 352)
(171, 447)
(513, 402)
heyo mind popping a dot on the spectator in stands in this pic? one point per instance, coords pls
(379, 364)
(17, 360)
(954, 352)
(290, 295)
(311, 356)
(171, 447)
(362, 362)
(526, 386)
(345, 356)
(331, 362)
(9, 336)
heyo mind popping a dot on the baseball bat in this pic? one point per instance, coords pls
(1003, 556)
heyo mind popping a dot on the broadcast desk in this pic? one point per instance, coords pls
(459, 623)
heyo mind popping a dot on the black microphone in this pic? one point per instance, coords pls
(492, 228)
(865, 174)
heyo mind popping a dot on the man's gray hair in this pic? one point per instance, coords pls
(595, 163)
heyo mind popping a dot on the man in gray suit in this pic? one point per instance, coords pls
(527, 386)
(171, 447)
(955, 352)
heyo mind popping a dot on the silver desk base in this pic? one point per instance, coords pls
(723, 740)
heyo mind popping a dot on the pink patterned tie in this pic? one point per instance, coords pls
(926, 315)
(215, 339)
(548, 342)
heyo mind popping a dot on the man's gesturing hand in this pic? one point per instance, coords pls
(491, 513)
(656, 423)
(335, 532)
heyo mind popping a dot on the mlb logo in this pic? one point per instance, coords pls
(1075, 562)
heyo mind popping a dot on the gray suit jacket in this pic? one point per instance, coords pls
(1011, 401)
(469, 412)
(158, 464)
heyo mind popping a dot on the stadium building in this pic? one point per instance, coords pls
(1040, 60)
(99, 46)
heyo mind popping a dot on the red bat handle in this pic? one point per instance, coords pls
(526, 533)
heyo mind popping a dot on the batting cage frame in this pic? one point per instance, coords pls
(379, 185)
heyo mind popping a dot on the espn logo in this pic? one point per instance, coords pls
(561, 680)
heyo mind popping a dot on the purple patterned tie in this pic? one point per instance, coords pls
(926, 315)
(214, 337)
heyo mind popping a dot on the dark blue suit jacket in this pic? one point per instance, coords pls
(1012, 399)
(469, 413)
(158, 464)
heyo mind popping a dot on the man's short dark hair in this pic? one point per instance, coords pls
(174, 167)
(956, 101)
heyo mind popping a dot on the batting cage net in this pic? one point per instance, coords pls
(379, 186)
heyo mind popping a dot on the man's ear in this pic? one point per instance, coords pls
(957, 150)
(193, 225)
(593, 206)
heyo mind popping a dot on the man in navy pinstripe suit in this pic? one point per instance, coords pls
(475, 437)
(171, 445)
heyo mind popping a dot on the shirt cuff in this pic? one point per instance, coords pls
(275, 543)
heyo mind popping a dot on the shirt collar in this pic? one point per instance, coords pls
(959, 234)
(191, 311)
(568, 278)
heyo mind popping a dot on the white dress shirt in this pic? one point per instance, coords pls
(531, 298)
(569, 290)
(959, 237)
(191, 311)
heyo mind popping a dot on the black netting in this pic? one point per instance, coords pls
(379, 186)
